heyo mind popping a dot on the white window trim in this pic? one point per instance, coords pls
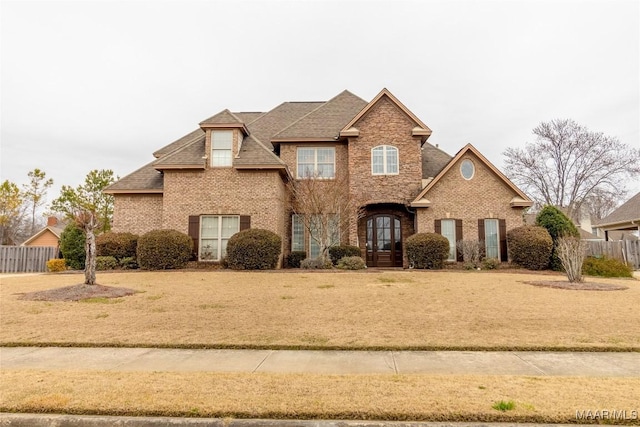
(218, 239)
(214, 149)
(452, 247)
(497, 222)
(384, 160)
(473, 169)
(315, 162)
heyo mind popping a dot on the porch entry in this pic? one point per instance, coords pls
(384, 240)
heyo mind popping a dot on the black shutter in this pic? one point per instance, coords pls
(459, 237)
(502, 226)
(481, 237)
(437, 226)
(194, 232)
(245, 222)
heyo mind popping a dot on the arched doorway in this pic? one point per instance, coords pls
(384, 240)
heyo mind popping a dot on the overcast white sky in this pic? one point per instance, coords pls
(102, 84)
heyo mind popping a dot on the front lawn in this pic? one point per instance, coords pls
(351, 310)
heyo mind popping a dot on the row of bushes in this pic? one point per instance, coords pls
(529, 246)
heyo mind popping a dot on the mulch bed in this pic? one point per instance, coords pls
(77, 293)
(584, 286)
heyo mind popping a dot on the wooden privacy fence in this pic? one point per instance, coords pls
(625, 250)
(26, 259)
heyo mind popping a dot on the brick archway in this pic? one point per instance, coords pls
(382, 231)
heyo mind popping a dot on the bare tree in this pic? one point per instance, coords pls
(35, 192)
(325, 207)
(601, 204)
(568, 163)
(571, 252)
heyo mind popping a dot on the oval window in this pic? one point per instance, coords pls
(467, 169)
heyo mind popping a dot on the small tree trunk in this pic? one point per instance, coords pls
(90, 262)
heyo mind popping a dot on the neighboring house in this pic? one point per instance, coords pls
(623, 221)
(48, 236)
(231, 174)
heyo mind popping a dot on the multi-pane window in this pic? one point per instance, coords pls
(316, 162)
(384, 160)
(297, 233)
(314, 236)
(221, 147)
(491, 238)
(215, 231)
(448, 230)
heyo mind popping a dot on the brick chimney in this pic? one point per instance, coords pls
(52, 221)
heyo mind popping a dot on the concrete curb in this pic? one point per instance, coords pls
(49, 420)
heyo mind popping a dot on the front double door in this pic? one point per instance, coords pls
(384, 241)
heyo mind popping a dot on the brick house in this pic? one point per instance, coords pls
(232, 173)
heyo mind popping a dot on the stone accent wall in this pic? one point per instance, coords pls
(137, 213)
(483, 196)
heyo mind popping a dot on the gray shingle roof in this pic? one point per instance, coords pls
(189, 155)
(253, 152)
(433, 160)
(628, 211)
(224, 117)
(178, 143)
(147, 178)
(326, 121)
(264, 127)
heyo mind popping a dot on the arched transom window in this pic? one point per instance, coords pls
(384, 160)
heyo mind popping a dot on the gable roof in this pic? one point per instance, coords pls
(628, 212)
(420, 130)
(521, 199)
(324, 122)
(56, 230)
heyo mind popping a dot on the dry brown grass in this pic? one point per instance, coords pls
(373, 309)
(399, 397)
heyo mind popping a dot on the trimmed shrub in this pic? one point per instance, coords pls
(72, 242)
(253, 249)
(490, 263)
(294, 258)
(54, 265)
(351, 263)
(336, 253)
(558, 225)
(606, 267)
(316, 264)
(163, 250)
(427, 250)
(106, 263)
(530, 246)
(117, 245)
(128, 263)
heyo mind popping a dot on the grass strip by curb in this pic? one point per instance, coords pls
(223, 346)
(349, 416)
(555, 400)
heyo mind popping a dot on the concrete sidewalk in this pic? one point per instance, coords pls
(599, 364)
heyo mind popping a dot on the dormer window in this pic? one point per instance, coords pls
(221, 148)
(384, 160)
